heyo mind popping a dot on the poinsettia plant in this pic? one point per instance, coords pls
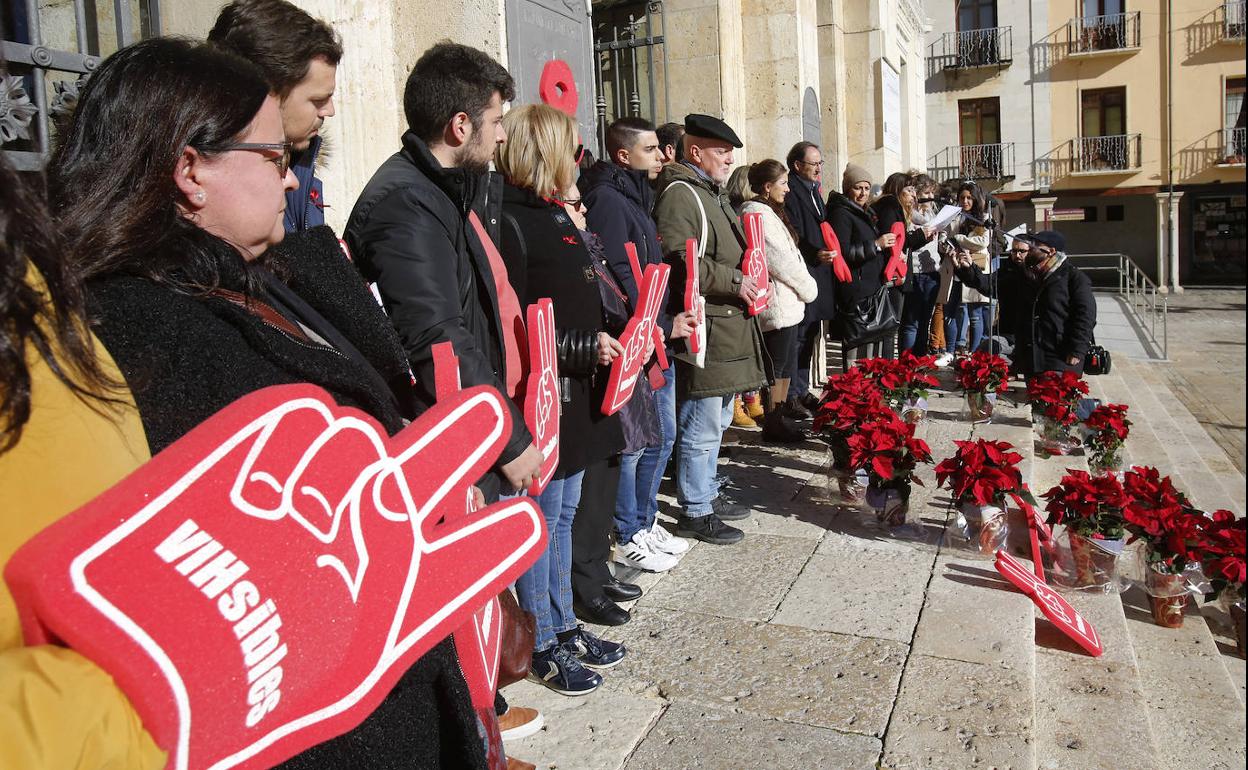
(1105, 431)
(983, 372)
(887, 448)
(1222, 554)
(1089, 506)
(903, 379)
(848, 401)
(1057, 395)
(981, 472)
(1157, 513)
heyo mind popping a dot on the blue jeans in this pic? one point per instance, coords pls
(702, 425)
(955, 323)
(808, 335)
(637, 502)
(979, 324)
(545, 589)
(916, 313)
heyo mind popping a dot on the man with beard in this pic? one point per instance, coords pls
(299, 57)
(414, 233)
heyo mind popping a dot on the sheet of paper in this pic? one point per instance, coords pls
(944, 216)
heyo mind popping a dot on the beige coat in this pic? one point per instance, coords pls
(977, 244)
(791, 284)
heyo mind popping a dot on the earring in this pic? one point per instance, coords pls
(199, 196)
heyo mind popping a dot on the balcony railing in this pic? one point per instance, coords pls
(1234, 20)
(975, 161)
(1088, 35)
(972, 48)
(1234, 146)
(1106, 154)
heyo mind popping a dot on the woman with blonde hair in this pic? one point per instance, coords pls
(792, 287)
(546, 256)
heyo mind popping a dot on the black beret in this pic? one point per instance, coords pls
(709, 127)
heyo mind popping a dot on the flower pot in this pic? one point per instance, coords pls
(1167, 597)
(846, 485)
(1052, 437)
(980, 405)
(1096, 561)
(985, 526)
(914, 410)
(1105, 464)
(1237, 620)
(891, 505)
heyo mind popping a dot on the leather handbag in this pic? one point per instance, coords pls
(1097, 360)
(519, 630)
(872, 319)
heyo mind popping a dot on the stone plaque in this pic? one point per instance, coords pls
(541, 30)
(812, 124)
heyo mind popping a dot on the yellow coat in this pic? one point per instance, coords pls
(57, 709)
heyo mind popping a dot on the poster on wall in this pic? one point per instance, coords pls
(890, 106)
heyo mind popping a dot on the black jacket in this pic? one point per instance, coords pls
(186, 357)
(1052, 319)
(546, 257)
(806, 213)
(618, 206)
(409, 233)
(856, 230)
(888, 211)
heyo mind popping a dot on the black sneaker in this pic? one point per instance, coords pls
(594, 652)
(796, 410)
(559, 669)
(779, 429)
(810, 402)
(709, 529)
(727, 511)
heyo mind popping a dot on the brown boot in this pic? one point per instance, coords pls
(519, 764)
(739, 418)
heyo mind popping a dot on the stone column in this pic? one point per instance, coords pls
(1162, 214)
(1175, 197)
(1044, 207)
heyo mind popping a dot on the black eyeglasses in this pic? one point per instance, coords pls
(283, 161)
(808, 163)
(575, 203)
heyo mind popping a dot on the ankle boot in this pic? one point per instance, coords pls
(739, 418)
(753, 405)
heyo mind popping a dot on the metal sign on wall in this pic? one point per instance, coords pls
(811, 118)
(541, 30)
(890, 106)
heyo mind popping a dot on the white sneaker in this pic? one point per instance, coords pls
(944, 359)
(640, 553)
(665, 542)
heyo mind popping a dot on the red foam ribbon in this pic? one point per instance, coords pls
(896, 267)
(839, 268)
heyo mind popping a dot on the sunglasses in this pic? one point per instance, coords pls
(282, 161)
(575, 203)
(579, 154)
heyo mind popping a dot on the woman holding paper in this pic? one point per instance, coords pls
(897, 204)
(547, 257)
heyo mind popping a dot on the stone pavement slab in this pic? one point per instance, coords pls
(689, 736)
(770, 671)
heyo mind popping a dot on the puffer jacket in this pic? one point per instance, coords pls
(735, 358)
(792, 286)
(856, 229)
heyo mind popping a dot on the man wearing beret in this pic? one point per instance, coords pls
(692, 204)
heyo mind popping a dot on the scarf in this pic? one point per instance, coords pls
(1037, 270)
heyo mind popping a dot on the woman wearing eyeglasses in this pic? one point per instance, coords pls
(169, 185)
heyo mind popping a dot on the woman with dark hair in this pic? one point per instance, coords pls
(923, 280)
(169, 184)
(68, 431)
(896, 204)
(973, 235)
(791, 288)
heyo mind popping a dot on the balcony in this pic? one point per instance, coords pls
(972, 49)
(1091, 155)
(1117, 33)
(1234, 146)
(1234, 21)
(975, 161)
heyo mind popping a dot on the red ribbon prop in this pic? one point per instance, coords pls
(541, 395)
(754, 262)
(639, 331)
(260, 586)
(896, 267)
(833, 244)
(1037, 530)
(1054, 607)
(695, 303)
(557, 87)
(635, 263)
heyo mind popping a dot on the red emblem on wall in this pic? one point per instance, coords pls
(557, 87)
(754, 262)
(636, 338)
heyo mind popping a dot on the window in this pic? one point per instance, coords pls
(1103, 7)
(1104, 112)
(976, 14)
(1115, 213)
(1089, 214)
(1103, 144)
(1234, 119)
(979, 121)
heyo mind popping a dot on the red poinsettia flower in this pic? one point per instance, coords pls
(1109, 421)
(903, 378)
(981, 471)
(1088, 505)
(1057, 394)
(983, 373)
(887, 448)
(848, 400)
(1223, 543)
(1159, 514)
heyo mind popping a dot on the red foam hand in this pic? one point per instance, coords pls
(445, 370)
(833, 244)
(635, 263)
(695, 303)
(637, 334)
(261, 585)
(896, 267)
(1054, 607)
(557, 87)
(541, 401)
(754, 261)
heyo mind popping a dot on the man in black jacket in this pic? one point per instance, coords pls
(806, 211)
(414, 233)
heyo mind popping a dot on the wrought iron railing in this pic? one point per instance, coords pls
(1093, 34)
(1234, 144)
(974, 161)
(1144, 301)
(993, 47)
(1234, 19)
(1092, 154)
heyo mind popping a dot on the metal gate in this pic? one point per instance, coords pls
(626, 36)
(42, 73)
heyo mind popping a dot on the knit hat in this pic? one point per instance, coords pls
(852, 176)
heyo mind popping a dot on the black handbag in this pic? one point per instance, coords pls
(1097, 360)
(872, 319)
